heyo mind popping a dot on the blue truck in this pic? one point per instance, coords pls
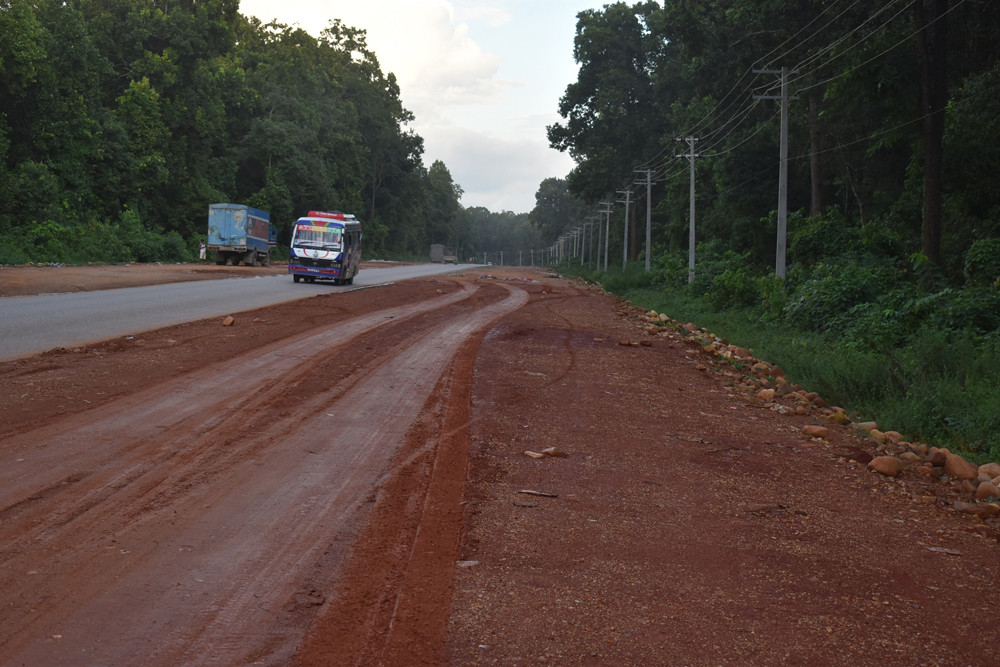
(239, 233)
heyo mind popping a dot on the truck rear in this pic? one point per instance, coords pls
(441, 254)
(239, 233)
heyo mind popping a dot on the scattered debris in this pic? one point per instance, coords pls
(529, 492)
(945, 550)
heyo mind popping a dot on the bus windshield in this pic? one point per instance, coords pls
(317, 236)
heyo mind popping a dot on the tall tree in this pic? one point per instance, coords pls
(607, 110)
(931, 22)
(556, 210)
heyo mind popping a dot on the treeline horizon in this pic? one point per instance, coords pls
(121, 121)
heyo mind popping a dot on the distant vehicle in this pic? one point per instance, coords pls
(326, 246)
(439, 253)
(238, 233)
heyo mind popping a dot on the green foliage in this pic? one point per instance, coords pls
(982, 263)
(113, 111)
(832, 289)
(736, 287)
(633, 278)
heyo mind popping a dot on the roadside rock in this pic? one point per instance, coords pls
(766, 394)
(978, 509)
(987, 490)
(887, 465)
(990, 470)
(815, 431)
(936, 457)
(958, 467)
(865, 428)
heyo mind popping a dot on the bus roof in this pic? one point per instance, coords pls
(336, 215)
(350, 223)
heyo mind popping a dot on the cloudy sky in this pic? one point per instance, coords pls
(482, 77)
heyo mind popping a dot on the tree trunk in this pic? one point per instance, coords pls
(932, 40)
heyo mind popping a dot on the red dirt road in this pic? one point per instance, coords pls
(339, 481)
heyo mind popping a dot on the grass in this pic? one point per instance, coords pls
(942, 388)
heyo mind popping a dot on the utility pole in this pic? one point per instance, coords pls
(779, 254)
(607, 229)
(649, 211)
(590, 256)
(691, 226)
(597, 257)
(626, 201)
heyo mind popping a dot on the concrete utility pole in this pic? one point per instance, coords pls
(779, 254)
(607, 229)
(691, 227)
(591, 262)
(626, 201)
(649, 211)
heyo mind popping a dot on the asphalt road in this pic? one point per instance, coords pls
(30, 325)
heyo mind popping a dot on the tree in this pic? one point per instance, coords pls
(607, 111)
(556, 210)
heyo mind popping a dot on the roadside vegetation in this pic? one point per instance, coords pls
(887, 301)
(889, 342)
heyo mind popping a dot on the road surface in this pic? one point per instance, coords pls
(33, 324)
(197, 521)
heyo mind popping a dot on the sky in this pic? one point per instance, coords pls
(483, 79)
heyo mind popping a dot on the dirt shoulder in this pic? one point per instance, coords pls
(676, 517)
(28, 280)
(52, 279)
(683, 520)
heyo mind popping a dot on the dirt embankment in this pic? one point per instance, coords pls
(528, 483)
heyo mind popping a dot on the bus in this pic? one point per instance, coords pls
(326, 246)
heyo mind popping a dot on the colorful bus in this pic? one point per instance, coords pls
(326, 246)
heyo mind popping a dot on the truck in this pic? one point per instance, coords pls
(239, 233)
(439, 253)
(326, 245)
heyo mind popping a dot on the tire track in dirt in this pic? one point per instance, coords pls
(229, 484)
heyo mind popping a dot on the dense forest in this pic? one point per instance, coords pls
(122, 120)
(869, 257)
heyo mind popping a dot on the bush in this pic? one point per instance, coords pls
(11, 251)
(735, 287)
(982, 263)
(821, 237)
(832, 290)
(633, 278)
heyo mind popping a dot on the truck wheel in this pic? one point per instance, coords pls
(253, 258)
(296, 279)
(235, 260)
(265, 260)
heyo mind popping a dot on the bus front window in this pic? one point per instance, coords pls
(315, 236)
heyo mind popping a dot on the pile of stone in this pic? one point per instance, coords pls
(978, 485)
